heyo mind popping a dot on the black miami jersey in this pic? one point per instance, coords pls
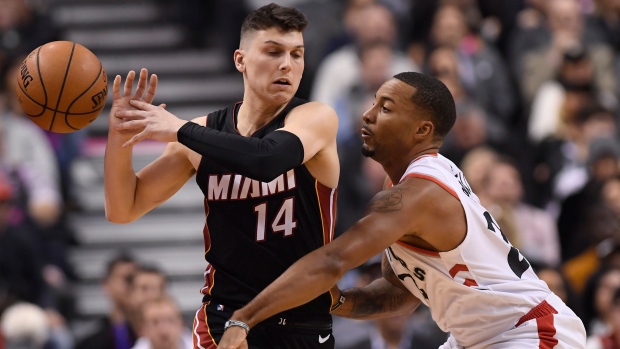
(255, 230)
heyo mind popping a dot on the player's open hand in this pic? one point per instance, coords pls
(149, 121)
(233, 338)
(121, 101)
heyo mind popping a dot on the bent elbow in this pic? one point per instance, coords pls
(116, 218)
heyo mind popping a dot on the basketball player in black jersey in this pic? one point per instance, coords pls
(268, 169)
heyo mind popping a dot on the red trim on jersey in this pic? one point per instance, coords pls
(201, 334)
(543, 313)
(435, 180)
(418, 249)
(209, 274)
(457, 268)
(541, 310)
(424, 156)
(470, 283)
(327, 206)
(546, 331)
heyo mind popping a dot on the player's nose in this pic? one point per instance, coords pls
(285, 64)
(368, 116)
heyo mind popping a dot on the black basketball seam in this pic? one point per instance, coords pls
(35, 102)
(78, 97)
(64, 80)
(43, 86)
(63, 112)
(41, 78)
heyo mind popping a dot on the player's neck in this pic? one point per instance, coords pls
(397, 164)
(254, 114)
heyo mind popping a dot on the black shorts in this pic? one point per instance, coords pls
(273, 333)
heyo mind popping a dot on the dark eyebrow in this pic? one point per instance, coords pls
(279, 44)
(385, 98)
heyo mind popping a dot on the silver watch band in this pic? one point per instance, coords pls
(242, 324)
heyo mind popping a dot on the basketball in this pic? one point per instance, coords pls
(62, 86)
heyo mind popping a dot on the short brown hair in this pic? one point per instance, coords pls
(285, 19)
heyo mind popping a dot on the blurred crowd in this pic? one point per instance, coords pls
(536, 90)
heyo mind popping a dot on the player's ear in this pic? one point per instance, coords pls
(425, 129)
(239, 58)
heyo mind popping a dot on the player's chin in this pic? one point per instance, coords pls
(283, 96)
(368, 151)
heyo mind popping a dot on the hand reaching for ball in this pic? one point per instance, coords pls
(133, 114)
(121, 102)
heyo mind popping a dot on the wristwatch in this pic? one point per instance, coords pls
(242, 324)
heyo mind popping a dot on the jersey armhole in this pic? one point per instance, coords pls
(434, 180)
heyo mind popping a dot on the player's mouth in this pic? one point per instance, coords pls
(366, 132)
(283, 82)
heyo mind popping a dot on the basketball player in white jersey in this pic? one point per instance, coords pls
(441, 247)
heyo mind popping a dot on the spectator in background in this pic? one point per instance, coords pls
(562, 161)
(27, 326)
(597, 299)
(581, 210)
(20, 264)
(607, 20)
(163, 326)
(147, 285)
(339, 71)
(27, 151)
(476, 166)
(565, 30)
(23, 28)
(531, 230)
(481, 70)
(611, 339)
(25, 147)
(558, 101)
(114, 331)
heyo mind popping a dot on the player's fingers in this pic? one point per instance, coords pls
(163, 105)
(141, 105)
(116, 87)
(129, 83)
(130, 114)
(144, 75)
(130, 125)
(244, 345)
(150, 93)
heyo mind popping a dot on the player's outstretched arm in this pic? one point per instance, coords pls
(308, 130)
(127, 195)
(382, 298)
(391, 214)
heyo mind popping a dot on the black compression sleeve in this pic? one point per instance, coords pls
(261, 159)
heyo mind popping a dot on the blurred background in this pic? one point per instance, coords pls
(536, 90)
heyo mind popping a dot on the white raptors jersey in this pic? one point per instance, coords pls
(481, 288)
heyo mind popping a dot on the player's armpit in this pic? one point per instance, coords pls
(378, 300)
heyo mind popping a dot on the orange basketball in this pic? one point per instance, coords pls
(62, 86)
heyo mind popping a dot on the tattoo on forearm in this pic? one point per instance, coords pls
(390, 200)
(374, 300)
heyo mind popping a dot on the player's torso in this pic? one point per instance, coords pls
(255, 230)
(483, 283)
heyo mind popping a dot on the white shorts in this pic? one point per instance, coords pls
(550, 325)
